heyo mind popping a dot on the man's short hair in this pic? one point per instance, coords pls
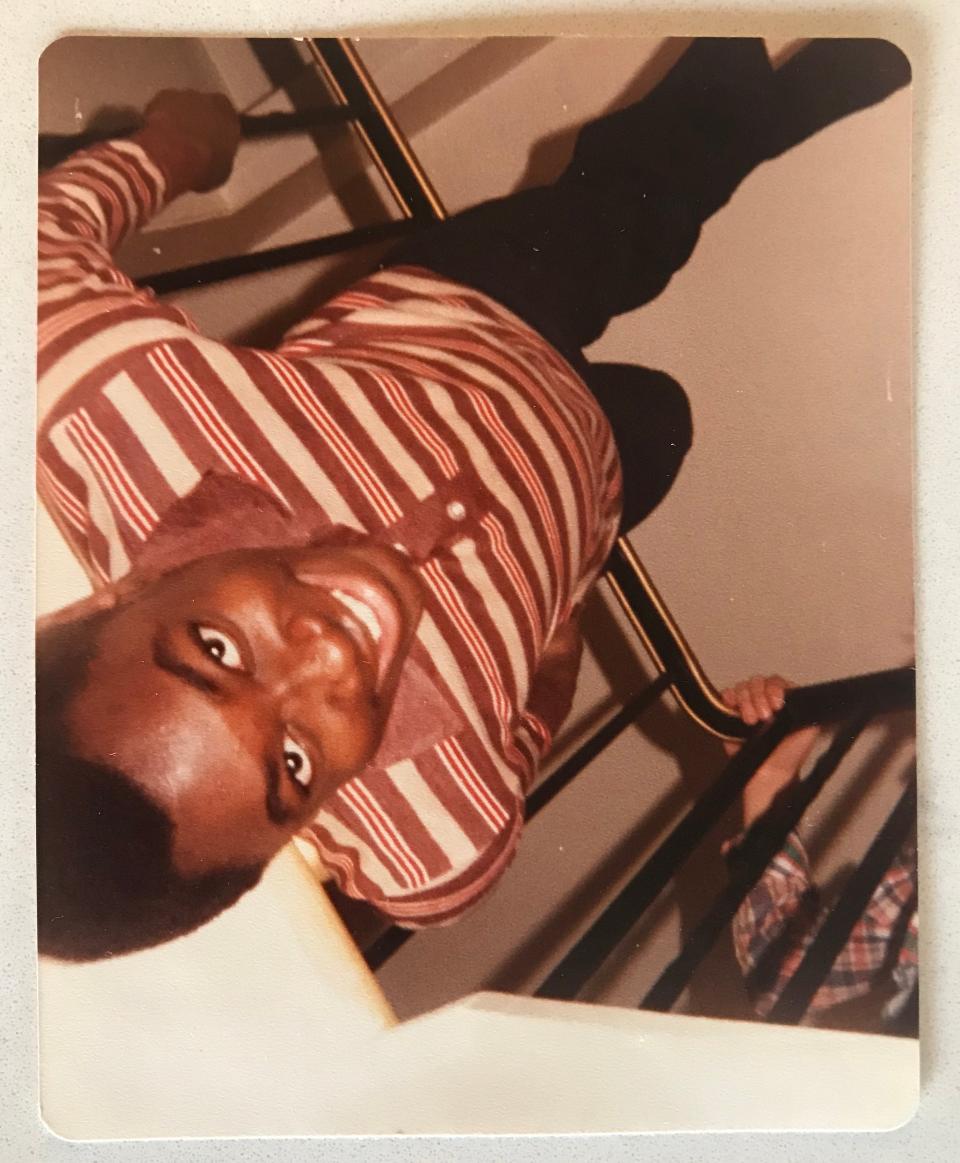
(106, 883)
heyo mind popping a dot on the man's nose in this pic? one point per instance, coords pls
(320, 646)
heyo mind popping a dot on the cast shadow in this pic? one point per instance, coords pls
(363, 205)
(550, 156)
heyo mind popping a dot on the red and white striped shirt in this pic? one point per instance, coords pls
(408, 408)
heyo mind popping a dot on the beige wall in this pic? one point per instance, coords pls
(786, 543)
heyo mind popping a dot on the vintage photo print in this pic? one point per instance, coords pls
(475, 664)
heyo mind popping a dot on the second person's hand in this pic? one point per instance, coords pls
(757, 700)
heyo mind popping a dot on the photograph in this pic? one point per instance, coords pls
(475, 662)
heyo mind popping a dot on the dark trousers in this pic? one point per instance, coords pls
(608, 235)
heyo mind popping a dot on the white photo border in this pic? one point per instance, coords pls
(929, 31)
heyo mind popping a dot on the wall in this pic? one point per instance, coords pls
(786, 543)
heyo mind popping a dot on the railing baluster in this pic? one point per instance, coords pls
(759, 847)
(618, 918)
(864, 697)
(598, 742)
(833, 934)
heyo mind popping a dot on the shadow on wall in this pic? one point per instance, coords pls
(362, 204)
(550, 155)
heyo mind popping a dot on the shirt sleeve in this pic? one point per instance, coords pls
(426, 838)
(93, 324)
(782, 914)
(86, 305)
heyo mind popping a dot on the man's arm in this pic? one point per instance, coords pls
(189, 141)
(90, 315)
(92, 201)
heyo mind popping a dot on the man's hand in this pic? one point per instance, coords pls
(192, 137)
(757, 700)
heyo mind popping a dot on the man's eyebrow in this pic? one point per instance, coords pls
(184, 671)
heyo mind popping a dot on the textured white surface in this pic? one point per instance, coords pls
(244, 1026)
(929, 31)
(488, 1064)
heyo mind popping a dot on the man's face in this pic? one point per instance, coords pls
(244, 688)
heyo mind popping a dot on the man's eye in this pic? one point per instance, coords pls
(296, 762)
(219, 646)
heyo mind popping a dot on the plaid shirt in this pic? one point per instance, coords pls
(782, 915)
(409, 409)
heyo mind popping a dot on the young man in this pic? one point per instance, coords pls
(337, 585)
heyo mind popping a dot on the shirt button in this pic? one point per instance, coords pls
(456, 511)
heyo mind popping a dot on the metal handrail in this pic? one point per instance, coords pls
(348, 80)
(761, 844)
(852, 703)
(220, 270)
(664, 642)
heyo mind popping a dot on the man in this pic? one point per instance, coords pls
(337, 585)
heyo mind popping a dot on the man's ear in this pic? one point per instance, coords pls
(101, 599)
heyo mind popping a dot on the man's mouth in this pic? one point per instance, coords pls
(362, 611)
